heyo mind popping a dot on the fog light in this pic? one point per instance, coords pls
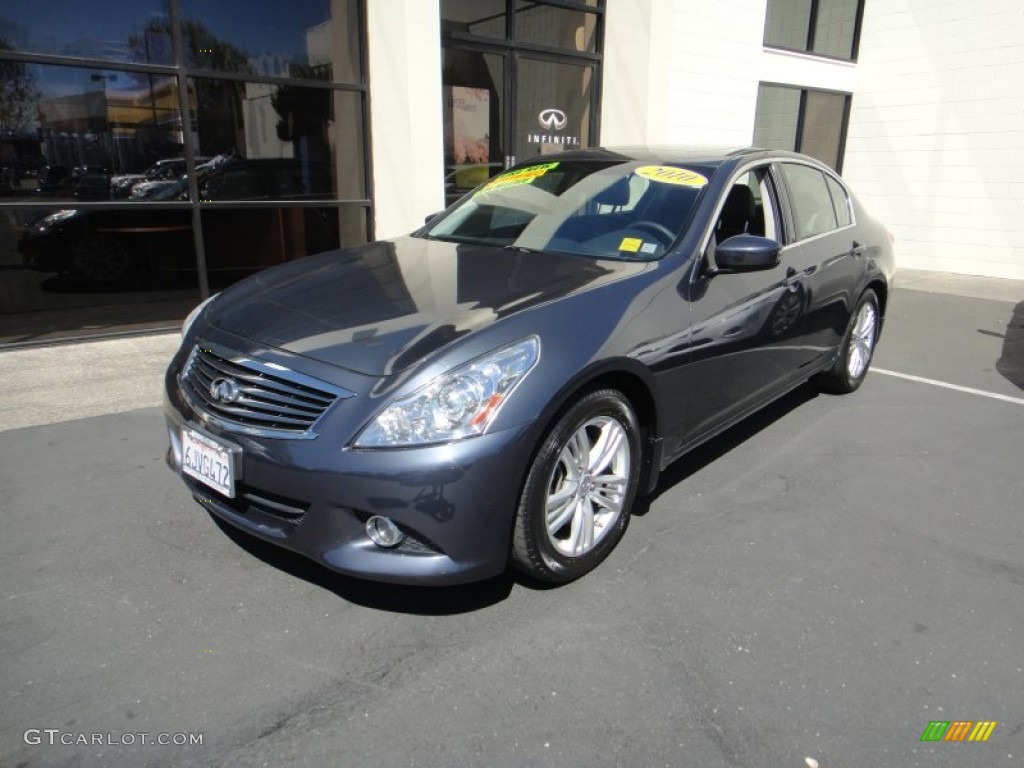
(383, 532)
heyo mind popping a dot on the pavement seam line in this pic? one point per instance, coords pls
(947, 385)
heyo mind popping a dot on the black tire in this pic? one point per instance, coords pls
(563, 553)
(858, 348)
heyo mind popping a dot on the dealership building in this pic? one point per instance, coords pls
(309, 125)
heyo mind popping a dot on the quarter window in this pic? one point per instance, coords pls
(809, 195)
(841, 201)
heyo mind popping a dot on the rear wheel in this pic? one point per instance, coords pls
(576, 500)
(854, 359)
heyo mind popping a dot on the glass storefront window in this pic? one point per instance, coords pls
(485, 18)
(87, 272)
(239, 242)
(96, 217)
(474, 148)
(274, 141)
(553, 109)
(69, 133)
(556, 27)
(120, 30)
(308, 39)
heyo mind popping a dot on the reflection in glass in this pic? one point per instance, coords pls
(65, 131)
(119, 30)
(317, 39)
(240, 242)
(314, 134)
(72, 272)
(557, 27)
(476, 17)
(553, 109)
(472, 105)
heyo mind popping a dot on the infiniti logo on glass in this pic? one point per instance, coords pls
(552, 119)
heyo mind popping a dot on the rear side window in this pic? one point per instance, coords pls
(841, 201)
(812, 202)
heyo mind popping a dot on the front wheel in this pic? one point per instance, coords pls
(576, 500)
(851, 365)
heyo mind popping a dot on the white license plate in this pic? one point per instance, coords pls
(208, 460)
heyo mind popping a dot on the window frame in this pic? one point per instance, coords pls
(801, 117)
(790, 210)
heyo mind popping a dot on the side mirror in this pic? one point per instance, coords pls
(747, 253)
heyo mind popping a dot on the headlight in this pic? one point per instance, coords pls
(457, 404)
(194, 314)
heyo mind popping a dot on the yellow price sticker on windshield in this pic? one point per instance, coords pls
(522, 176)
(667, 174)
(630, 244)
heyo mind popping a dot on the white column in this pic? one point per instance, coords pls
(404, 54)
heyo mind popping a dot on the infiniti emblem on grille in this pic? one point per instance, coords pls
(552, 119)
(225, 390)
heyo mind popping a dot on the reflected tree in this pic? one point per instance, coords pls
(218, 103)
(19, 97)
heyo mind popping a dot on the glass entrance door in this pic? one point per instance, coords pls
(519, 80)
(553, 107)
(475, 116)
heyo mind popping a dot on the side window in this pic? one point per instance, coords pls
(841, 201)
(749, 208)
(812, 203)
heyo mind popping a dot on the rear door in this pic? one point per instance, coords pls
(831, 258)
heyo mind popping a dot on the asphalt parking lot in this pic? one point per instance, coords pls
(812, 588)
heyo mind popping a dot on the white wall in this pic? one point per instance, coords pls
(687, 73)
(936, 138)
(404, 54)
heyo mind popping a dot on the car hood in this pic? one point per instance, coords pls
(380, 308)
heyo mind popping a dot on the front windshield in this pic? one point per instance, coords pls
(597, 208)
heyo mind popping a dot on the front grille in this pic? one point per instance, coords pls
(269, 400)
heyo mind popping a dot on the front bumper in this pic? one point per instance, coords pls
(455, 502)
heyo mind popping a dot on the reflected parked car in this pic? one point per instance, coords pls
(142, 246)
(501, 386)
(167, 170)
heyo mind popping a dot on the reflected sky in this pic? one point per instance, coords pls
(102, 28)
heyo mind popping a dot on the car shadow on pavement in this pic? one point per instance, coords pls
(719, 446)
(1011, 362)
(397, 598)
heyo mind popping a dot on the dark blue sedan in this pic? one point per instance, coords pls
(499, 387)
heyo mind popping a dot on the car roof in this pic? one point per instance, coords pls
(705, 155)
